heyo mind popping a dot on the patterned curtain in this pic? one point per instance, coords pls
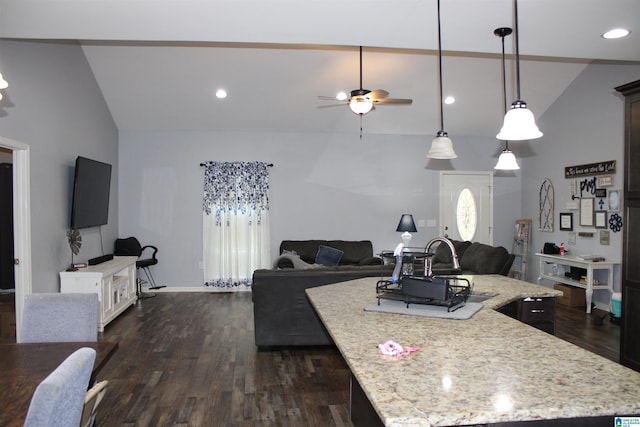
(235, 219)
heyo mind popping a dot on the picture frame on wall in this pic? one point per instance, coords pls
(586, 211)
(566, 221)
(614, 200)
(600, 218)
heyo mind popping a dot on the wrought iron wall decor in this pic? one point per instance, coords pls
(546, 205)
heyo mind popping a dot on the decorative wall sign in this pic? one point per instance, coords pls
(604, 237)
(600, 218)
(588, 186)
(546, 205)
(571, 239)
(601, 168)
(566, 221)
(586, 211)
(605, 181)
(615, 222)
(585, 234)
(601, 192)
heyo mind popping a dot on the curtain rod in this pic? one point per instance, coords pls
(269, 164)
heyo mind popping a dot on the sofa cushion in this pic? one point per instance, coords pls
(328, 256)
(484, 259)
(354, 250)
(442, 255)
(306, 249)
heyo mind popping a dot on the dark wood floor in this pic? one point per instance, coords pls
(189, 359)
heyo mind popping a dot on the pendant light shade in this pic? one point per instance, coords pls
(507, 161)
(441, 146)
(519, 123)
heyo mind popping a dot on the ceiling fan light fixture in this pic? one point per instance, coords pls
(507, 161)
(3, 83)
(519, 124)
(360, 104)
(441, 147)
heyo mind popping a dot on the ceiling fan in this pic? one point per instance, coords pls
(363, 100)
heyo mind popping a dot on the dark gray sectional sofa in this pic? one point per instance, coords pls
(283, 316)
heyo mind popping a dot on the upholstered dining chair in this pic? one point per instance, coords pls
(131, 246)
(59, 317)
(59, 399)
(91, 401)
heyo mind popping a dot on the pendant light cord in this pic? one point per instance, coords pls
(504, 84)
(515, 8)
(360, 68)
(440, 70)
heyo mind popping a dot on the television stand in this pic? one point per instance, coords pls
(114, 281)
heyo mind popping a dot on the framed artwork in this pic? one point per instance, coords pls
(604, 237)
(600, 218)
(586, 211)
(614, 200)
(566, 221)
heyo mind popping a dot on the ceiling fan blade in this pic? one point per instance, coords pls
(397, 101)
(332, 105)
(378, 93)
(328, 98)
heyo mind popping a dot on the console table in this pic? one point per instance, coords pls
(574, 261)
(114, 281)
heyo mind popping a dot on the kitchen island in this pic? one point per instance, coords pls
(490, 369)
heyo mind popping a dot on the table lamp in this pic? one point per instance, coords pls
(406, 224)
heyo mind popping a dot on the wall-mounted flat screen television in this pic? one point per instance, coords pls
(91, 186)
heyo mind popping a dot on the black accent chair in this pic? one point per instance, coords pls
(132, 247)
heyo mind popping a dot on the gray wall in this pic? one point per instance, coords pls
(332, 186)
(585, 125)
(53, 104)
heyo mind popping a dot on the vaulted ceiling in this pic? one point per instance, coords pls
(159, 62)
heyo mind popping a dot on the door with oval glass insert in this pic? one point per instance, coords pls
(466, 206)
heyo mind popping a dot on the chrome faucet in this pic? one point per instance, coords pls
(452, 249)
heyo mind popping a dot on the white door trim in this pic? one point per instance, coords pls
(21, 222)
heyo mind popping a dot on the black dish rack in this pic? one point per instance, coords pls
(450, 292)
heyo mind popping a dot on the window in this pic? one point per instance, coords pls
(467, 214)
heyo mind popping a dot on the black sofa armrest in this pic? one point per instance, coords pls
(372, 260)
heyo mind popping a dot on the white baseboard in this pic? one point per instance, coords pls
(194, 289)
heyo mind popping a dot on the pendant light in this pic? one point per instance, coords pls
(519, 123)
(441, 146)
(507, 160)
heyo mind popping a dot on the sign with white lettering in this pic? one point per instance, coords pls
(601, 168)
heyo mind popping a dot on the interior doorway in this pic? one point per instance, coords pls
(466, 206)
(20, 154)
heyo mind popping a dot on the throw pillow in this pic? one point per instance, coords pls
(328, 256)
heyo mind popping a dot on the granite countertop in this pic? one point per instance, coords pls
(488, 369)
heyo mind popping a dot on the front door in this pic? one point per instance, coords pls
(466, 206)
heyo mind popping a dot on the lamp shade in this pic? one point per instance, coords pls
(441, 147)
(507, 161)
(406, 223)
(360, 104)
(519, 124)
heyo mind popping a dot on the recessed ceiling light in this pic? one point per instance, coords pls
(616, 33)
(221, 93)
(449, 100)
(341, 96)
